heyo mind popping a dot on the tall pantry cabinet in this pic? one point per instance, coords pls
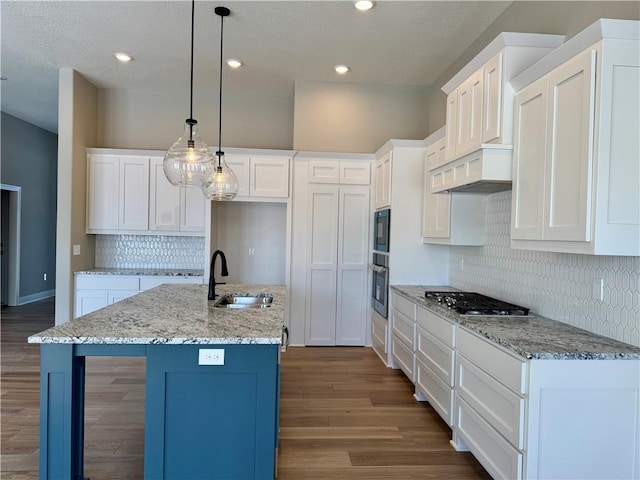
(330, 249)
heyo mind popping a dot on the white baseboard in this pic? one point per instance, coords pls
(34, 297)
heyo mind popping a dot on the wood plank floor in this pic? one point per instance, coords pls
(343, 414)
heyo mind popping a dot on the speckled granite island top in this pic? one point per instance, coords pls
(159, 272)
(175, 314)
(532, 336)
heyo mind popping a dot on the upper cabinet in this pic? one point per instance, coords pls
(448, 219)
(479, 113)
(382, 191)
(576, 169)
(260, 175)
(117, 193)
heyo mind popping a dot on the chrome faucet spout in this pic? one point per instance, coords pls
(223, 271)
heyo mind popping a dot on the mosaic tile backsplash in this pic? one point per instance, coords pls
(149, 251)
(555, 285)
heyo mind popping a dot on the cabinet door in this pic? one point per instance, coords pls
(469, 115)
(88, 301)
(529, 162)
(355, 173)
(134, 193)
(164, 200)
(492, 99)
(352, 268)
(383, 181)
(114, 296)
(570, 149)
(192, 210)
(103, 185)
(323, 171)
(321, 265)
(240, 166)
(436, 208)
(269, 177)
(451, 126)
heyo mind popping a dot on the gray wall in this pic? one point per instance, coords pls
(561, 18)
(29, 160)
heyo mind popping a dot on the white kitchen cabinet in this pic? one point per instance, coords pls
(526, 418)
(118, 193)
(480, 108)
(379, 335)
(330, 234)
(576, 165)
(173, 209)
(260, 176)
(337, 260)
(448, 219)
(403, 335)
(382, 191)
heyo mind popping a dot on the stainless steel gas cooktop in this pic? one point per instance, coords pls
(469, 303)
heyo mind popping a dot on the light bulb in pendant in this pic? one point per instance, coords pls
(219, 182)
(188, 158)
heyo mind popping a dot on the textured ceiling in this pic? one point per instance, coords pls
(396, 43)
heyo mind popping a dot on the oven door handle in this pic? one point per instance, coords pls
(378, 268)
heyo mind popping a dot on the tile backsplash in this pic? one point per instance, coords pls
(149, 251)
(554, 285)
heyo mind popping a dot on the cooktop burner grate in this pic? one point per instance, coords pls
(469, 303)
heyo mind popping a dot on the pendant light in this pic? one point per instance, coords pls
(186, 161)
(219, 182)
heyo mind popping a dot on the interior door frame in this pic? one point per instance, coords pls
(13, 247)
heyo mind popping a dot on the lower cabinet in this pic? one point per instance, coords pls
(93, 292)
(403, 333)
(380, 336)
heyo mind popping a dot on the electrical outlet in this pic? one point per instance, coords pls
(211, 356)
(44, 277)
(597, 289)
(461, 264)
(76, 249)
(252, 251)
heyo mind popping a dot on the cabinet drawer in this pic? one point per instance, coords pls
(438, 393)
(498, 363)
(404, 328)
(436, 355)
(404, 306)
(107, 282)
(153, 281)
(379, 333)
(495, 454)
(403, 356)
(437, 326)
(498, 405)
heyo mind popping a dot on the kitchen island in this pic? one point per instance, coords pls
(212, 382)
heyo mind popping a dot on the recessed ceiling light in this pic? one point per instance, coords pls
(341, 69)
(123, 57)
(233, 63)
(364, 5)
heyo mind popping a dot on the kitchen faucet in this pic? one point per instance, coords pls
(224, 272)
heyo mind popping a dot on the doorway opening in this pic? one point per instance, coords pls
(10, 244)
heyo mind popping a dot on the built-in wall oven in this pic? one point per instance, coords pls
(380, 290)
(381, 222)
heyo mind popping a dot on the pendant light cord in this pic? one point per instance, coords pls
(193, 10)
(219, 153)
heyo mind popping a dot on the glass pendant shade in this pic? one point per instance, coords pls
(219, 182)
(187, 160)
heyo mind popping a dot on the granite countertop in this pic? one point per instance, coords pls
(532, 336)
(176, 314)
(168, 272)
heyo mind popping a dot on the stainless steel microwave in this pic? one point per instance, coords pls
(381, 221)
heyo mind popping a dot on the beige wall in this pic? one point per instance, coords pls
(139, 119)
(77, 115)
(562, 18)
(356, 118)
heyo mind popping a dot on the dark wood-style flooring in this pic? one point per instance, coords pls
(343, 414)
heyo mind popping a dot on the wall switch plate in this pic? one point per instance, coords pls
(76, 249)
(461, 264)
(211, 356)
(597, 289)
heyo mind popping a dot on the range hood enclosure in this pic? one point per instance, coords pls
(487, 170)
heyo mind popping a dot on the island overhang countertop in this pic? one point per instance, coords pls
(176, 314)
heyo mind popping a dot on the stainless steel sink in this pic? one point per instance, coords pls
(244, 300)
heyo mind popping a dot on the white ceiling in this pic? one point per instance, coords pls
(395, 43)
